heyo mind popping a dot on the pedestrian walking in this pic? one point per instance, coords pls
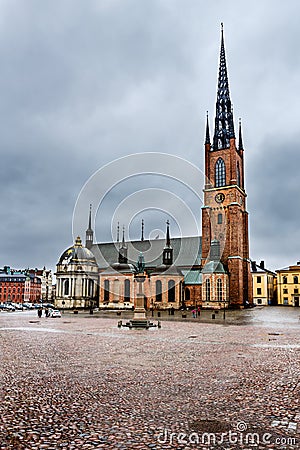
(194, 314)
(198, 311)
(40, 311)
(46, 312)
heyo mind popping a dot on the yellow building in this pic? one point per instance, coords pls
(289, 285)
(264, 284)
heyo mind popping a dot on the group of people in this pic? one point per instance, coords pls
(40, 312)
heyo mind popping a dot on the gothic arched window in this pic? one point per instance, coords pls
(220, 173)
(207, 290)
(171, 291)
(106, 290)
(219, 290)
(127, 291)
(158, 291)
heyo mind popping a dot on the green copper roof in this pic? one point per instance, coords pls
(186, 252)
(192, 277)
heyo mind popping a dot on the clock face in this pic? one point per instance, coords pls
(220, 197)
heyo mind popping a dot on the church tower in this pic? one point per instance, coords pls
(224, 214)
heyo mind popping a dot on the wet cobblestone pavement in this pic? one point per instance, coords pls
(82, 383)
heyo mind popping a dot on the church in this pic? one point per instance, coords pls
(212, 271)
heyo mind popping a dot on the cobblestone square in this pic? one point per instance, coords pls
(81, 382)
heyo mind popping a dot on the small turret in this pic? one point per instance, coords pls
(89, 234)
(123, 250)
(168, 251)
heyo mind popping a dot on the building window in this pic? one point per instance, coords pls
(158, 291)
(66, 287)
(187, 294)
(171, 291)
(106, 290)
(259, 301)
(207, 290)
(220, 219)
(238, 175)
(258, 291)
(220, 173)
(285, 300)
(258, 279)
(284, 280)
(91, 288)
(296, 291)
(295, 279)
(285, 291)
(127, 291)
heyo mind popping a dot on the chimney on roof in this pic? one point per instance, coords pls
(298, 263)
(262, 265)
(253, 266)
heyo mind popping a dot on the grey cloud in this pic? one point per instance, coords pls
(84, 82)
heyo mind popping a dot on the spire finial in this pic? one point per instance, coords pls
(118, 232)
(207, 135)
(142, 238)
(241, 147)
(90, 218)
(224, 128)
(168, 241)
(123, 237)
(89, 234)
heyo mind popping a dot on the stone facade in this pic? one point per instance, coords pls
(288, 285)
(76, 278)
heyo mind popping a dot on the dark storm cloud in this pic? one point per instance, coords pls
(84, 82)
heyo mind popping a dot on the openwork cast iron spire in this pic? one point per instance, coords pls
(224, 129)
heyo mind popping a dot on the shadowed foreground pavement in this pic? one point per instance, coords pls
(81, 383)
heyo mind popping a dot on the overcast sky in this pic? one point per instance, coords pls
(83, 82)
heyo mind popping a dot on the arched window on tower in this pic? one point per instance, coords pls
(158, 291)
(171, 291)
(238, 175)
(127, 291)
(106, 290)
(220, 173)
(207, 290)
(66, 287)
(219, 290)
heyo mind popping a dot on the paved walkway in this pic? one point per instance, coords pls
(80, 382)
